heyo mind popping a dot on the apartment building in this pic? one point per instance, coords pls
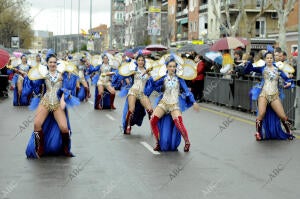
(138, 22)
(117, 24)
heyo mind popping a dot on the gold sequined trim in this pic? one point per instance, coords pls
(139, 95)
(49, 107)
(168, 107)
(270, 98)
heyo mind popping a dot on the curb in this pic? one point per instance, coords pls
(237, 113)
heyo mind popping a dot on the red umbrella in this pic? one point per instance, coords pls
(4, 57)
(228, 43)
(146, 52)
(156, 47)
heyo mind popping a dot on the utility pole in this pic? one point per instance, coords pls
(111, 25)
(64, 17)
(78, 41)
(91, 13)
(71, 17)
(153, 38)
(297, 99)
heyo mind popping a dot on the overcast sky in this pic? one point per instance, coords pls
(53, 16)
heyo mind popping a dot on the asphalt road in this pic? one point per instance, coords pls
(225, 161)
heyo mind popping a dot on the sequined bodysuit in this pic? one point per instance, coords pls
(53, 83)
(23, 68)
(81, 69)
(138, 86)
(104, 80)
(270, 88)
(169, 101)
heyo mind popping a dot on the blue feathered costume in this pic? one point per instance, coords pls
(50, 140)
(270, 126)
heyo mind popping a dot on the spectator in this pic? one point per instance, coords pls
(227, 65)
(198, 82)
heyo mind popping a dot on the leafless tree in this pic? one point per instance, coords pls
(265, 5)
(283, 8)
(226, 24)
(15, 22)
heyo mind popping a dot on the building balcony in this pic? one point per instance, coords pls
(117, 22)
(183, 13)
(203, 8)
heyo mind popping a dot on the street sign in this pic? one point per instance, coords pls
(154, 20)
(15, 42)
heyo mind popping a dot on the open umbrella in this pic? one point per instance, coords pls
(228, 43)
(146, 52)
(156, 47)
(17, 54)
(202, 49)
(188, 48)
(214, 56)
(136, 49)
(4, 57)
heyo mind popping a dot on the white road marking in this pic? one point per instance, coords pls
(145, 144)
(110, 117)
(91, 102)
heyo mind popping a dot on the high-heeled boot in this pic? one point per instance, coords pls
(127, 129)
(149, 111)
(98, 101)
(154, 127)
(66, 144)
(287, 125)
(86, 92)
(180, 126)
(77, 90)
(39, 143)
(258, 134)
(112, 99)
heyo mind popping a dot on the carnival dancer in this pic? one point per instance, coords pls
(38, 86)
(38, 60)
(269, 96)
(166, 122)
(120, 82)
(52, 129)
(22, 90)
(83, 81)
(103, 79)
(136, 101)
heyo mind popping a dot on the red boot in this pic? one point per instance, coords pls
(153, 123)
(39, 143)
(127, 129)
(180, 126)
(98, 100)
(112, 99)
(258, 129)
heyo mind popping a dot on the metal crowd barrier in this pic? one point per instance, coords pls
(234, 93)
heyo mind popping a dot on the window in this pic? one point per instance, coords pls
(260, 27)
(258, 3)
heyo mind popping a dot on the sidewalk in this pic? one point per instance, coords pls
(237, 113)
